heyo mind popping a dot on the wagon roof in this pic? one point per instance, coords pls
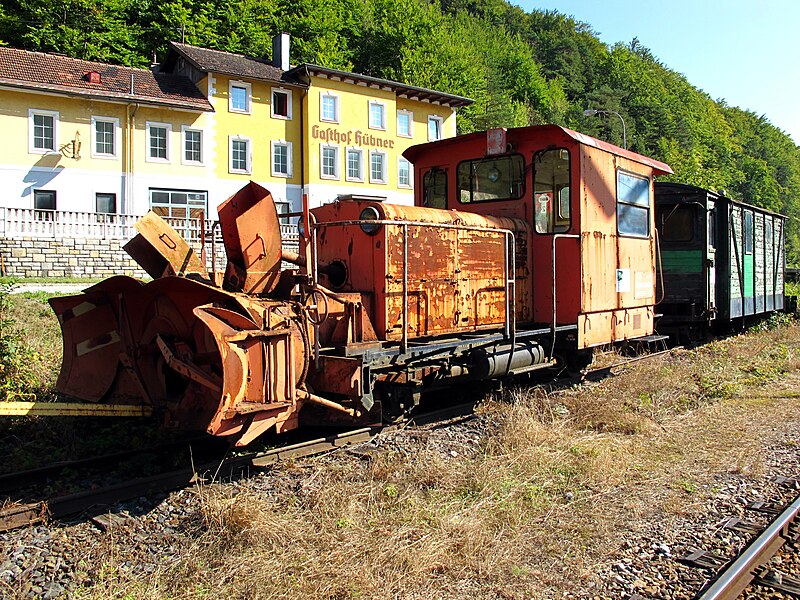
(659, 167)
(684, 188)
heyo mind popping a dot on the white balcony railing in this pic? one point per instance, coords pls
(66, 224)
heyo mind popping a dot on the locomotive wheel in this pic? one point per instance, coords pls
(397, 400)
(573, 361)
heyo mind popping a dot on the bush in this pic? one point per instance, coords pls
(17, 358)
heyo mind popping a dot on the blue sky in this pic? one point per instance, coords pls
(745, 52)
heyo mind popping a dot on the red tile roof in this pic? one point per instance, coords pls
(401, 89)
(228, 63)
(69, 76)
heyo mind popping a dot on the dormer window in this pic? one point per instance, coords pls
(93, 77)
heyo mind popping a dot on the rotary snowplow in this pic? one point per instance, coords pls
(232, 358)
(381, 302)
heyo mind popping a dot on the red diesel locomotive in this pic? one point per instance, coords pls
(525, 249)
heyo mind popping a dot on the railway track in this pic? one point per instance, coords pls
(18, 480)
(750, 566)
(96, 501)
(750, 573)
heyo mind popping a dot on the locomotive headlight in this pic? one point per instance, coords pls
(367, 215)
(301, 228)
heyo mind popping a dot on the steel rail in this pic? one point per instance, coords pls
(736, 577)
(14, 516)
(13, 481)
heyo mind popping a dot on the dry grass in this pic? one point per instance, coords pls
(37, 348)
(534, 512)
(531, 513)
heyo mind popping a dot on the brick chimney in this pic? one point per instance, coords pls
(280, 51)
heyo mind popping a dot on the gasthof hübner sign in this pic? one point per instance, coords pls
(353, 137)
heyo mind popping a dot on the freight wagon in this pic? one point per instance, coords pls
(722, 260)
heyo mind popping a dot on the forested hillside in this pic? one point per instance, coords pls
(521, 68)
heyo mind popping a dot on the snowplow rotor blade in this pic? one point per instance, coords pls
(251, 233)
(259, 375)
(91, 338)
(161, 251)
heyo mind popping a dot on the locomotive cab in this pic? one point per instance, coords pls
(589, 209)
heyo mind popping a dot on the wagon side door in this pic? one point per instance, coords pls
(711, 257)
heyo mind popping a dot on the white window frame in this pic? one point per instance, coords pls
(116, 203)
(149, 126)
(360, 164)
(382, 126)
(115, 142)
(182, 224)
(184, 160)
(289, 166)
(440, 121)
(335, 97)
(248, 101)
(410, 184)
(322, 174)
(385, 167)
(410, 114)
(46, 113)
(288, 93)
(248, 158)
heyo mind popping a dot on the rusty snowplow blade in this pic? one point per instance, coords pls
(198, 355)
(252, 236)
(261, 368)
(191, 352)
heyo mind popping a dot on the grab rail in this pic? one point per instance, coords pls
(509, 265)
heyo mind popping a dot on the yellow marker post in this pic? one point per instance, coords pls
(73, 409)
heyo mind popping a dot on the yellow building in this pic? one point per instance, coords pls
(311, 129)
(93, 139)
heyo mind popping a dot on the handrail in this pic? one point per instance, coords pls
(511, 292)
(404, 342)
(312, 225)
(509, 323)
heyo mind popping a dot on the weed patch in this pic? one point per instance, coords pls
(23, 369)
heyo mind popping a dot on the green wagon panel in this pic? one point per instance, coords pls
(682, 261)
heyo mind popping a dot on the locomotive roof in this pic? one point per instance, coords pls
(673, 188)
(659, 167)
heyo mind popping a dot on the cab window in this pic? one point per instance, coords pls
(434, 189)
(551, 191)
(677, 223)
(501, 178)
(633, 204)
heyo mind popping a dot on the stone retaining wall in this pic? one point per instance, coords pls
(97, 258)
